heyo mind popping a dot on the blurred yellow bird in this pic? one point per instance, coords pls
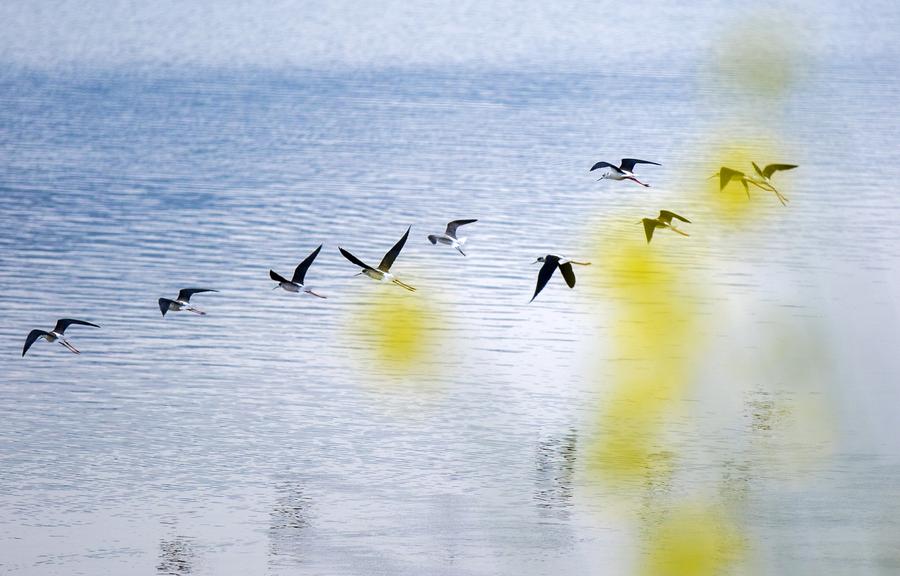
(664, 220)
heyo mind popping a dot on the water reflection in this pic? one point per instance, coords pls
(176, 556)
(288, 521)
(554, 472)
(736, 482)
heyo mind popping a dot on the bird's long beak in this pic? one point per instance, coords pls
(277, 286)
(536, 262)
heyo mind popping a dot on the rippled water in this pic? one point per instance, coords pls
(272, 436)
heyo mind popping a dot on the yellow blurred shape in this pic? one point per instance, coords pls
(731, 205)
(759, 55)
(692, 540)
(653, 340)
(399, 328)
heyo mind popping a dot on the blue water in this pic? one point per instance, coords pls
(271, 436)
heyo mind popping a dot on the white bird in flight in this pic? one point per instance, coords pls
(449, 237)
(183, 302)
(551, 263)
(56, 334)
(295, 284)
(383, 272)
(624, 171)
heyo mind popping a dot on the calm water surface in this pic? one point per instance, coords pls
(273, 436)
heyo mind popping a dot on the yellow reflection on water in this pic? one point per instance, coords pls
(653, 336)
(692, 540)
(760, 54)
(653, 294)
(399, 329)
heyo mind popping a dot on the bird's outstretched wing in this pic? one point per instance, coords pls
(356, 260)
(64, 323)
(649, 226)
(185, 294)
(605, 165)
(757, 169)
(772, 168)
(32, 336)
(164, 305)
(392, 254)
(666, 215)
(550, 265)
(568, 274)
(452, 226)
(628, 163)
(277, 277)
(300, 270)
(726, 174)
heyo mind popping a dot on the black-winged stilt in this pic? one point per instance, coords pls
(449, 237)
(624, 171)
(727, 175)
(664, 220)
(183, 302)
(551, 263)
(382, 273)
(766, 175)
(56, 334)
(295, 284)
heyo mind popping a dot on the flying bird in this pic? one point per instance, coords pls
(727, 175)
(56, 334)
(383, 272)
(624, 171)
(551, 263)
(664, 220)
(295, 284)
(183, 302)
(766, 175)
(449, 237)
